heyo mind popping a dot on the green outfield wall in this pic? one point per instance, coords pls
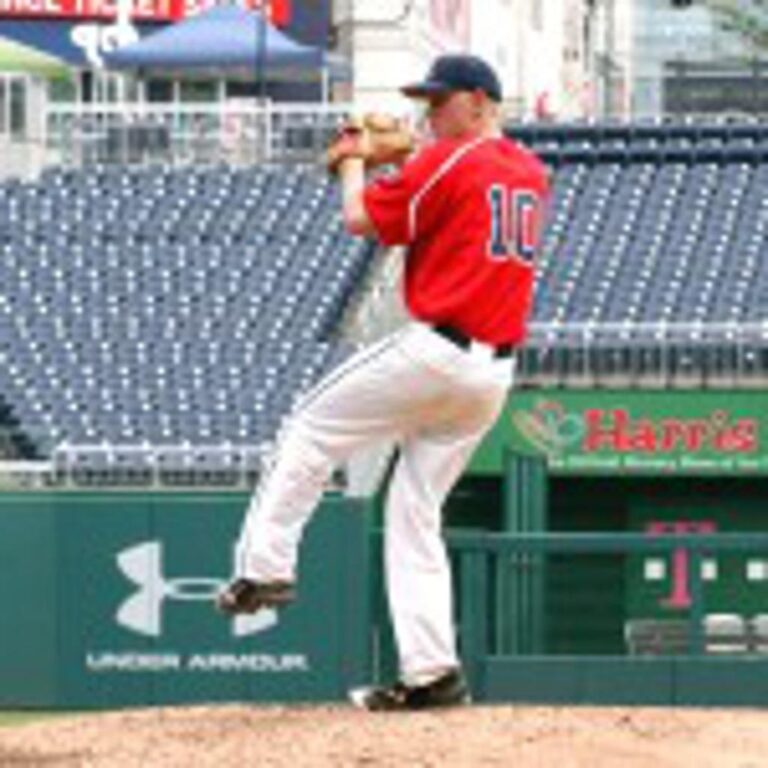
(107, 601)
(107, 596)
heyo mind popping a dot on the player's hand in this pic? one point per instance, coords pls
(377, 139)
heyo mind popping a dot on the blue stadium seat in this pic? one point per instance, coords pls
(157, 306)
(163, 306)
(654, 223)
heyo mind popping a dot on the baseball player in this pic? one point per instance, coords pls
(468, 208)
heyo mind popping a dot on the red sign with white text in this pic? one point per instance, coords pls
(279, 11)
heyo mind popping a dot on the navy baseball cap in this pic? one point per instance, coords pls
(457, 72)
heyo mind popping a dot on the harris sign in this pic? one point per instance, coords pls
(620, 432)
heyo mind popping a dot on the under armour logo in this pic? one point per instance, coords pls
(142, 612)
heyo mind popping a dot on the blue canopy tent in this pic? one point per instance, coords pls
(228, 38)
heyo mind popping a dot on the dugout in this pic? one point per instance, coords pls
(642, 462)
(655, 622)
(646, 588)
(598, 539)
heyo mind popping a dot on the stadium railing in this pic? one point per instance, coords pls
(646, 355)
(520, 600)
(226, 466)
(643, 355)
(170, 466)
(180, 134)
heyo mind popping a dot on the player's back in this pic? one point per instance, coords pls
(479, 217)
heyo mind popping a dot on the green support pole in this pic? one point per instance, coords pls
(474, 618)
(521, 584)
(509, 580)
(696, 590)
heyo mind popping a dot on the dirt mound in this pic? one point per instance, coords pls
(336, 737)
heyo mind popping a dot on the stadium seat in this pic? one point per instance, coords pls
(657, 637)
(174, 307)
(725, 633)
(655, 224)
(193, 305)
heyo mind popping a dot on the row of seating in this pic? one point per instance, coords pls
(167, 307)
(656, 143)
(722, 633)
(659, 130)
(652, 226)
(631, 363)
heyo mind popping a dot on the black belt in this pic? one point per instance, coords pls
(462, 340)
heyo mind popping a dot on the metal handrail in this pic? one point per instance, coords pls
(662, 326)
(603, 543)
(144, 109)
(479, 550)
(239, 133)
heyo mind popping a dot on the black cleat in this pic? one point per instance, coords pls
(247, 596)
(450, 690)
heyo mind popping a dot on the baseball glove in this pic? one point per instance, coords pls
(376, 138)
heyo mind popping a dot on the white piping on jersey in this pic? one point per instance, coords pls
(446, 166)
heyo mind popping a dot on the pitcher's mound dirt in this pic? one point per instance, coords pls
(336, 737)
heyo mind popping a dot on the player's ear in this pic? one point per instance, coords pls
(478, 99)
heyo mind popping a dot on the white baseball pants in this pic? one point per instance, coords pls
(437, 401)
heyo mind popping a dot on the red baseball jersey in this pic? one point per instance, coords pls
(470, 213)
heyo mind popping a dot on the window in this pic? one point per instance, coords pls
(62, 91)
(3, 107)
(17, 116)
(160, 91)
(197, 91)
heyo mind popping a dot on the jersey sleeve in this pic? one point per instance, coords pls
(388, 200)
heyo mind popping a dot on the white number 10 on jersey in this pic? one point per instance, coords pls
(515, 216)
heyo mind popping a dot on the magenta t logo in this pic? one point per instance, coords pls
(679, 597)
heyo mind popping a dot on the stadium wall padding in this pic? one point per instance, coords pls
(108, 603)
(615, 681)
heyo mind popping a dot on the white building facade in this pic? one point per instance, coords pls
(551, 55)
